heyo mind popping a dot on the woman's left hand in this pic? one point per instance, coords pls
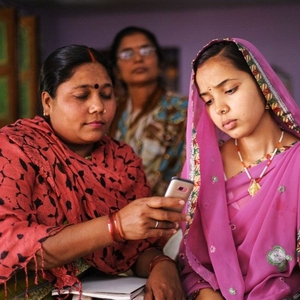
(163, 283)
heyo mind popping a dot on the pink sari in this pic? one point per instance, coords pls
(245, 249)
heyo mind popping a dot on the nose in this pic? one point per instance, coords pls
(222, 108)
(97, 106)
(223, 111)
(137, 56)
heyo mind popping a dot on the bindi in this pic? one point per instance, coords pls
(96, 86)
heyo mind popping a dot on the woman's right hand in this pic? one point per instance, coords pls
(150, 217)
(136, 221)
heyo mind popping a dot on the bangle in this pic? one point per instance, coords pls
(119, 234)
(193, 295)
(110, 223)
(113, 229)
(157, 259)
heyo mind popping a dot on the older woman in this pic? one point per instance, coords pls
(149, 117)
(72, 197)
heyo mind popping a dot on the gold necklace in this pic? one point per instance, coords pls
(254, 182)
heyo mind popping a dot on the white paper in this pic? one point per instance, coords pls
(113, 287)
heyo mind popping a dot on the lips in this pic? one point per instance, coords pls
(139, 70)
(229, 124)
(96, 124)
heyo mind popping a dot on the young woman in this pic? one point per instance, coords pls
(149, 117)
(72, 197)
(243, 239)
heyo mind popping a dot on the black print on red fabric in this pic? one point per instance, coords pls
(22, 258)
(4, 254)
(23, 164)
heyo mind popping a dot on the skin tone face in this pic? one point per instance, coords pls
(139, 70)
(232, 98)
(83, 108)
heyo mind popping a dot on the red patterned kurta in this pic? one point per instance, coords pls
(44, 185)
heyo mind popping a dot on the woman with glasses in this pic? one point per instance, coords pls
(149, 117)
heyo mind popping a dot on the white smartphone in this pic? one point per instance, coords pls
(181, 188)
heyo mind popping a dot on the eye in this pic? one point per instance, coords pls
(231, 91)
(83, 96)
(107, 93)
(209, 102)
(147, 50)
(126, 54)
(207, 98)
(106, 96)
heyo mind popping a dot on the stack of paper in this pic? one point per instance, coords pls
(109, 287)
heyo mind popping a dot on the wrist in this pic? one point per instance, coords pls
(194, 295)
(157, 259)
(114, 228)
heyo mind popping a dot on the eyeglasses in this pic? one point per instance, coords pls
(129, 54)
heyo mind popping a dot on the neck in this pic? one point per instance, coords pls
(255, 147)
(82, 150)
(140, 94)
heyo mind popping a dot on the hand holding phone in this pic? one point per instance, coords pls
(180, 188)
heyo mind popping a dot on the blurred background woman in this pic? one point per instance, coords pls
(149, 118)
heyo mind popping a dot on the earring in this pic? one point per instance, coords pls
(45, 115)
(267, 106)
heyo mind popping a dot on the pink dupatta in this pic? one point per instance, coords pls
(210, 252)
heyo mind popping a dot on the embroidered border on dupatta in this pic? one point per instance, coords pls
(270, 94)
(194, 175)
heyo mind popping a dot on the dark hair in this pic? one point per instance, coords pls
(60, 65)
(122, 93)
(229, 50)
(225, 49)
(133, 30)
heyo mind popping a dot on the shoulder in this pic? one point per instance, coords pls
(14, 132)
(173, 108)
(28, 132)
(175, 99)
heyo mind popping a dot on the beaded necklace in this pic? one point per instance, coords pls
(254, 182)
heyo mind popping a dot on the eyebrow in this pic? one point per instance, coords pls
(93, 86)
(218, 85)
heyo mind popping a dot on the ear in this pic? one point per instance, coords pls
(46, 102)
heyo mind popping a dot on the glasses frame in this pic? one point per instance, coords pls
(129, 54)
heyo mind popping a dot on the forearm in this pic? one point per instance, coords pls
(73, 242)
(133, 222)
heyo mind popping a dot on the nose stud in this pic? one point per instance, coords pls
(223, 111)
(104, 111)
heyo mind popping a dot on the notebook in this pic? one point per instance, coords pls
(108, 287)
